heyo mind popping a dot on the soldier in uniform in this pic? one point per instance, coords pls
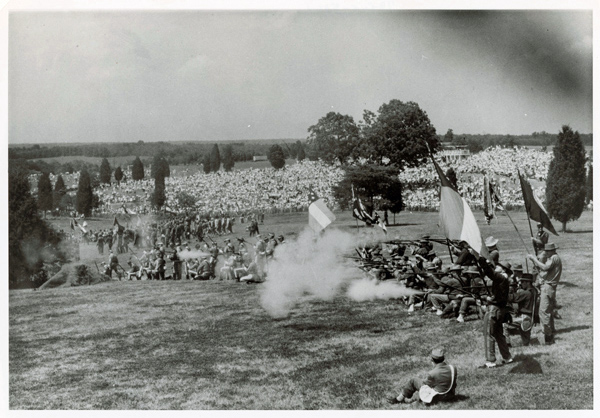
(549, 276)
(494, 255)
(541, 239)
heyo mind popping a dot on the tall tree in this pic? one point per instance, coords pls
(159, 197)
(118, 174)
(300, 154)
(206, 164)
(215, 159)
(449, 137)
(378, 186)
(565, 184)
(60, 190)
(137, 170)
(227, 158)
(276, 157)
(105, 171)
(397, 135)
(44, 201)
(28, 233)
(334, 137)
(160, 166)
(590, 184)
(85, 195)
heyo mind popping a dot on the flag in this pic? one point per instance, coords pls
(360, 212)
(128, 211)
(72, 225)
(79, 226)
(533, 206)
(456, 218)
(319, 215)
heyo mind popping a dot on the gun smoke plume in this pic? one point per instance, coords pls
(313, 266)
(186, 255)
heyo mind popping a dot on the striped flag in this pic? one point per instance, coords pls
(79, 226)
(456, 218)
(534, 207)
(319, 215)
(360, 212)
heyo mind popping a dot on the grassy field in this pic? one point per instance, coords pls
(210, 345)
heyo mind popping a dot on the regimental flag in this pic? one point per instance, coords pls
(319, 215)
(533, 206)
(360, 212)
(456, 218)
(128, 211)
(491, 201)
(75, 223)
(117, 227)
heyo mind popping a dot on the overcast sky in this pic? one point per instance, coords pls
(202, 75)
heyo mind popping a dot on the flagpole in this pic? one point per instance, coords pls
(449, 251)
(355, 219)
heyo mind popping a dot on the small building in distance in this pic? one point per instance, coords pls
(259, 158)
(453, 153)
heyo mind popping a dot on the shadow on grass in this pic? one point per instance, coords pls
(527, 365)
(579, 232)
(575, 328)
(373, 327)
(568, 284)
(457, 398)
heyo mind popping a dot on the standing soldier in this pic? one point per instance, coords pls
(100, 243)
(113, 265)
(496, 312)
(549, 276)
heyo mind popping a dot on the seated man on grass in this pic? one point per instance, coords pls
(439, 385)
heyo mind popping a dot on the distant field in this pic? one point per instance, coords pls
(211, 345)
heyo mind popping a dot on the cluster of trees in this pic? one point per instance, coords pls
(183, 153)
(374, 150)
(477, 143)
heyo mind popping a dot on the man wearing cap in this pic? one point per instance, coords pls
(496, 311)
(427, 282)
(522, 302)
(476, 286)
(440, 382)
(450, 289)
(541, 239)
(494, 254)
(549, 276)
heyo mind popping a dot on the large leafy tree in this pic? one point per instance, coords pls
(215, 159)
(44, 201)
(565, 184)
(85, 196)
(227, 158)
(397, 135)
(378, 186)
(276, 156)
(137, 170)
(105, 171)
(334, 137)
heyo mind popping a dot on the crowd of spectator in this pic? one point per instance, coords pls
(287, 190)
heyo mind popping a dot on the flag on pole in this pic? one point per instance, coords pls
(79, 226)
(72, 225)
(533, 206)
(128, 211)
(491, 200)
(360, 212)
(456, 218)
(319, 215)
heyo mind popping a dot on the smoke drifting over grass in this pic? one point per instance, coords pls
(371, 289)
(187, 255)
(314, 266)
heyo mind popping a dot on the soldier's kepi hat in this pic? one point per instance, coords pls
(437, 354)
(550, 247)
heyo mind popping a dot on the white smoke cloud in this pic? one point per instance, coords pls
(371, 289)
(311, 265)
(186, 255)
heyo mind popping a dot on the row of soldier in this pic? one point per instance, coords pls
(505, 296)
